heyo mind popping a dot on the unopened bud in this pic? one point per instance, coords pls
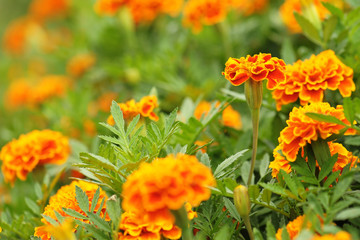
(242, 201)
(253, 93)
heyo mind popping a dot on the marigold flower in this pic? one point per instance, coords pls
(342, 235)
(15, 36)
(248, 7)
(166, 184)
(64, 231)
(290, 6)
(21, 156)
(104, 101)
(302, 130)
(258, 67)
(131, 108)
(344, 158)
(307, 80)
(293, 228)
(18, 93)
(66, 198)
(230, 117)
(108, 7)
(46, 9)
(204, 12)
(80, 63)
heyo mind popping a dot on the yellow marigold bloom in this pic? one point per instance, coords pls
(307, 80)
(21, 156)
(230, 117)
(344, 158)
(293, 228)
(79, 64)
(258, 67)
(302, 129)
(248, 7)
(342, 235)
(166, 184)
(131, 108)
(290, 6)
(47, 9)
(65, 198)
(204, 12)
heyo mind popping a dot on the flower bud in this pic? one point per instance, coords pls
(253, 93)
(242, 201)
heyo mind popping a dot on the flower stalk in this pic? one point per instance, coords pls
(242, 204)
(253, 94)
(181, 219)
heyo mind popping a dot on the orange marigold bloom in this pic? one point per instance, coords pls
(104, 101)
(131, 108)
(21, 156)
(248, 7)
(204, 12)
(108, 7)
(293, 228)
(302, 129)
(166, 184)
(290, 6)
(15, 36)
(65, 198)
(258, 67)
(18, 93)
(344, 158)
(230, 117)
(307, 80)
(342, 235)
(47, 9)
(79, 64)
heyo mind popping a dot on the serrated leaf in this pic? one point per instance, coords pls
(232, 209)
(59, 217)
(348, 214)
(132, 125)
(113, 209)
(95, 200)
(292, 185)
(99, 222)
(50, 220)
(257, 234)
(82, 199)
(331, 179)
(38, 190)
(325, 118)
(118, 117)
(219, 171)
(329, 27)
(270, 231)
(309, 29)
(73, 213)
(276, 188)
(223, 233)
(349, 110)
(327, 167)
(266, 196)
(264, 165)
(96, 232)
(32, 205)
(254, 192)
(342, 186)
(333, 9)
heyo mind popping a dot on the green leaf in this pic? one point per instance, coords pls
(113, 209)
(290, 182)
(331, 179)
(59, 217)
(38, 190)
(118, 117)
(327, 167)
(254, 192)
(32, 205)
(220, 170)
(353, 140)
(95, 200)
(99, 222)
(96, 232)
(276, 188)
(223, 234)
(264, 165)
(132, 125)
(287, 52)
(349, 110)
(50, 220)
(325, 118)
(232, 209)
(73, 213)
(257, 234)
(334, 10)
(285, 235)
(270, 230)
(342, 186)
(329, 27)
(309, 29)
(348, 214)
(266, 196)
(82, 199)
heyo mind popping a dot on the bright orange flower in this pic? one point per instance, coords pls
(65, 198)
(108, 7)
(307, 80)
(104, 101)
(21, 156)
(230, 117)
(290, 6)
(47, 9)
(18, 93)
(89, 127)
(248, 7)
(80, 63)
(293, 228)
(342, 235)
(166, 184)
(131, 108)
(344, 158)
(258, 67)
(204, 12)
(15, 36)
(302, 130)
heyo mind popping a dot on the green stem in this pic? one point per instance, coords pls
(255, 116)
(181, 220)
(248, 228)
(272, 208)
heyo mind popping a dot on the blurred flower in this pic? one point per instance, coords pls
(65, 198)
(131, 108)
(290, 6)
(341, 235)
(104, 101)
(258, 67)
(248, 7)
(142, 11)
(64, 231)
(344, 158)
(307, 80)
(293, 228)
(204, 12)
(89, 127)
(230, 117)
(166, 184)
(21, 156)
(14, 39)
(79, 64)
(18, 93)
(42, 10)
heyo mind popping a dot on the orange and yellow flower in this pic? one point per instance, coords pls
(258, 67)
(65, 198)
(307, 80)
(108, 7)
(80, 63)
(230, 117)
(166, 184)
(302, 130)
(21, 156)
(42, 10)
(15, 36)
(293, 228)
(131, 108)
(248, 7)
(341, 235)
(290, 6)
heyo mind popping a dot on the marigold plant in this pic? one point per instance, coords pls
(341, 235)
(66, 198)
(22, 155)
(307, 80)
(46, 9)
(80, 63)
(293, 228)
(166, 184)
